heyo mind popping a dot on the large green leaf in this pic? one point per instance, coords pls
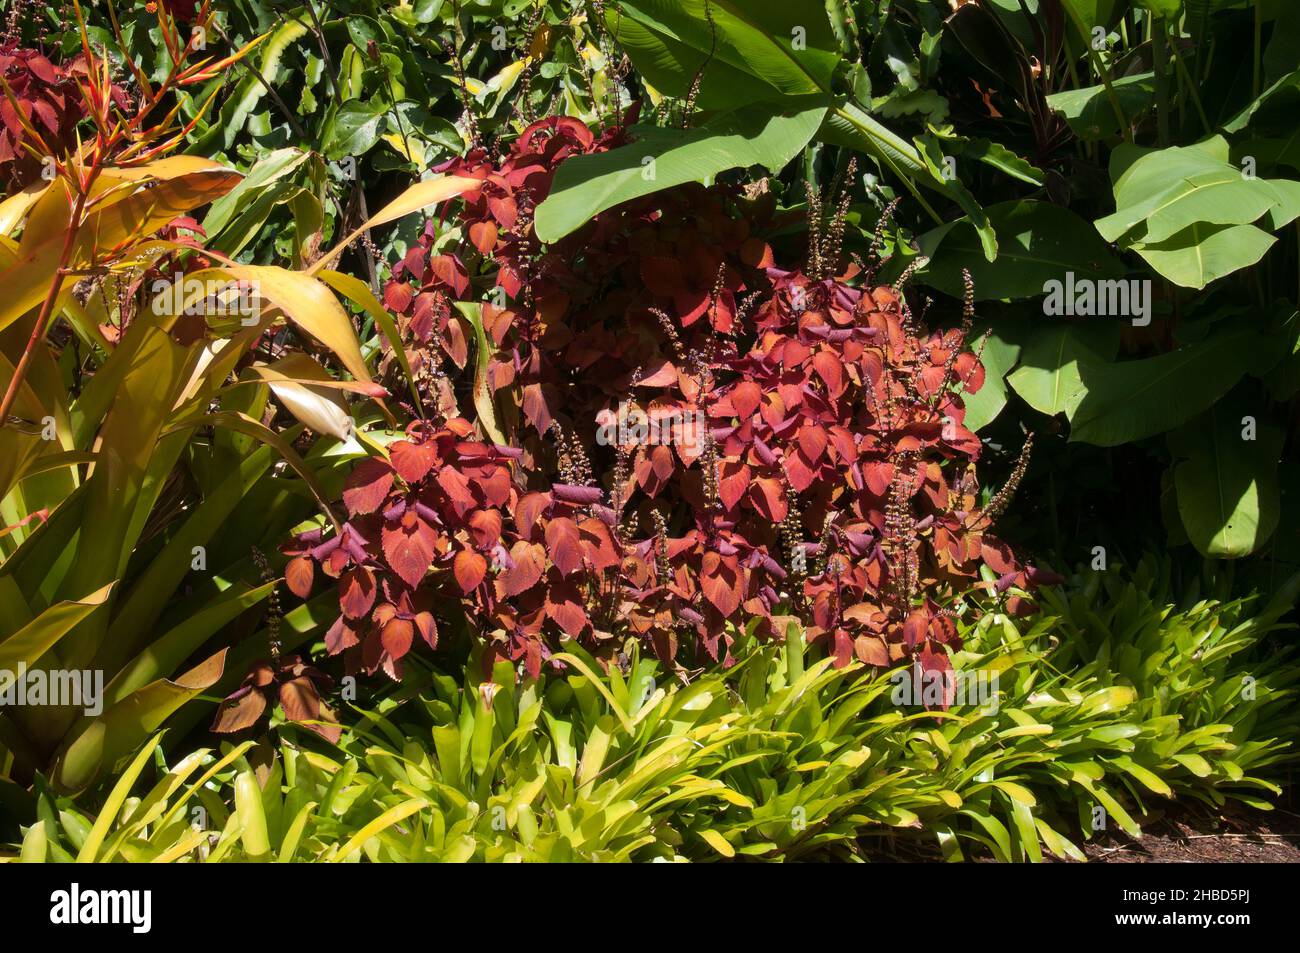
(267, 171)
(1037, 242)
(1129, 400)
(1215, 196)
(1273, 104)
(236, 109)
(661, 158)
(755, 49)
(1187, 210)
(998, 357)
(1227, 484)
(1200, 254)
(1089, 110)
(354, 130)
(1049, 378)
(768, 51)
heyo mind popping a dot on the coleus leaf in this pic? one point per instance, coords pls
(298, 576)
(529, 564)
(408, 547)
(469, 568)
(412, 460)
(357, 592)
(564, 545)
(720, 582)
(367, 486)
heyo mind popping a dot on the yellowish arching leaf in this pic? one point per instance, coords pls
(121, 728)
(81, 320)
(26, 646)
(201, 368)
(268, 374)
(15, 208)
(718, 843)
(108, 814)
(168, 167)
(310, 305)
(134, 215)
(380, 823)
(188, 842)
(208, 774)
(315, 407)
(421, 195)
(301, 368)
(57, 461)
(50, 214)
(599, 685)
(359, 293)
(52, 209)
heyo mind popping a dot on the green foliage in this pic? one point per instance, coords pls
(1163, 152)
(722, 57)
(1113, 697)
(1187, 211)
(661, 158)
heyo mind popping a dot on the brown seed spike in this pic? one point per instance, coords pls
(688, 110)
(1002, 499)
(878, 239)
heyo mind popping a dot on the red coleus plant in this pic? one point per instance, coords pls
(295, 685)
(772, 442)
(42, 98)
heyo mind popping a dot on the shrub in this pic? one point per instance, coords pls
(811, 461)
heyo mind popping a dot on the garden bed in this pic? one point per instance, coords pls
(625, 430)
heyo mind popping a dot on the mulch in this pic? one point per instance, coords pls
(1193, 833)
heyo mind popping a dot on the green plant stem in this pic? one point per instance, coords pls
(902, 146)
(1160, 60)
(1191, 87)
(1259, 30)
(1103, 73)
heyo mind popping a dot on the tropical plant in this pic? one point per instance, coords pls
(817, 405)
(782, 757)
(1178, 104)
(114, 484)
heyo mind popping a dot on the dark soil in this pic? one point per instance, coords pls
(1179, 833)
(1193, 834)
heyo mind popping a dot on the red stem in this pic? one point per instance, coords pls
(47, 309)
